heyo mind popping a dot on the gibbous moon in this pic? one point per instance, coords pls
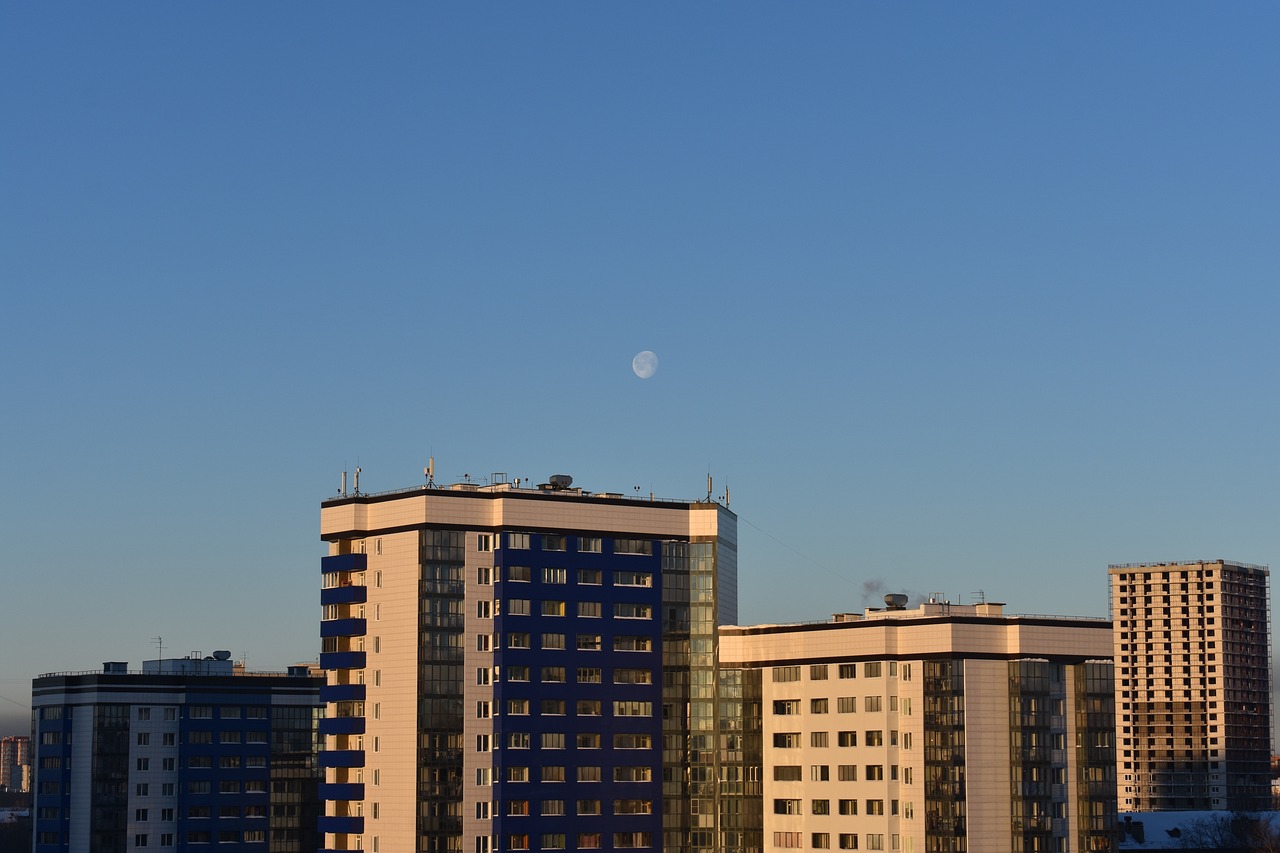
(645, 364)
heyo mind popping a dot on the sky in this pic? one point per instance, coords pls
(972, 298)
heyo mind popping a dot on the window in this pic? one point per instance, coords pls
(228, 737)
(786, 707)
(588, 708)
(624, 643)
(819, 773)
(517, 673)
(818, 739)
(144, 713)
(587, 740)
(872, 703)
(644, 579)
(484, 542)
(518, 640)
(633, 546)
(517, 774)
(848, 807)
(145, 763)
(139, 814)
(786, 773)
(553, 608)
(518, 707)
(632, 807)
(875, 738)
(848, 841)
(627, 840)
(553, 674)
(871, 669)
(875, 840)
(787, 839)
(818, 672)
(588, 807)
(818, 706)
(484, 575)
(550, 808)
(590, 577)
(632, 676)
(144, 739)
(632, 709)
(589, 609)
(632, 774)
(201, 712)
(589, 840)
(518, 607)
(200, 737)
(847, 773)
(518, 540)
(482, 642)
(875, 807)
(786, 806)
(552, 740)
(847, 704)
(625, 610)
(632, 741)
(553, 641)
(875, 773)
(848, 670)
(552, 774)
(589, 675)
(518, 740)
(847, 738)
(820, 840)
(786, 740)
(786, 673)
(589, 642)
(518, 841)
(553, 707)
(169, 739)
(588, 774)
(553, 841)
(482, 710)
(820, 807)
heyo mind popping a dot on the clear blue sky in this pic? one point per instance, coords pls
(954, 297)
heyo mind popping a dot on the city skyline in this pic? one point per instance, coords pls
(951, 300)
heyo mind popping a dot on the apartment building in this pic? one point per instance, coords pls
(15, 763)
(1193, 689)
(940, 728)
(522, 669)
(184, 753)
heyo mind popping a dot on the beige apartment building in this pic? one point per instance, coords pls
(1193, 688)
(521, 669)
(944, 727)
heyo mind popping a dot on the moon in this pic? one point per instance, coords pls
(645, 364)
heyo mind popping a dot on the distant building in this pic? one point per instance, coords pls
(519, 669)
(1193, 685)
(942, 728)
(189, 751)
(15, 763)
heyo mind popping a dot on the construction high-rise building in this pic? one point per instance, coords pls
(522, 669)
(944, 727)
(15, 763)
(1193, 685)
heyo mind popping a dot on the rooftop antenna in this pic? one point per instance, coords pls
(981, 595)
(710, 488)
(726, 495)
(343, 491)
(159, 641)
(430, 472)
(356, 491)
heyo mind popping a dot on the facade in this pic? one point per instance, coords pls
(941, 728)
(15, 763)
(1193, 688)
(187, 752)
(517, 669)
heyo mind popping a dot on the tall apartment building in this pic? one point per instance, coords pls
(517, 669)
(15, 763)
(941, 728)
(1193, 687)
(188, 752)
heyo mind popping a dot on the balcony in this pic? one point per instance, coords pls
(350, 627)
(341, 758)
(344, 563)
(348, 825)
(342, 660)
(342, 726)
(349, 594)
(345, 791)
(341, 692)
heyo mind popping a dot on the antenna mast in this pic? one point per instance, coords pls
(159, 641)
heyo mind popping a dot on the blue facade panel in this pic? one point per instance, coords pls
(341, 825)
(351, 627)
(342, 660)
(342, 726)
(341, 692)
(342, 791)
(594, 685)
(344, 563)
(342, 758)
(351, 594)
